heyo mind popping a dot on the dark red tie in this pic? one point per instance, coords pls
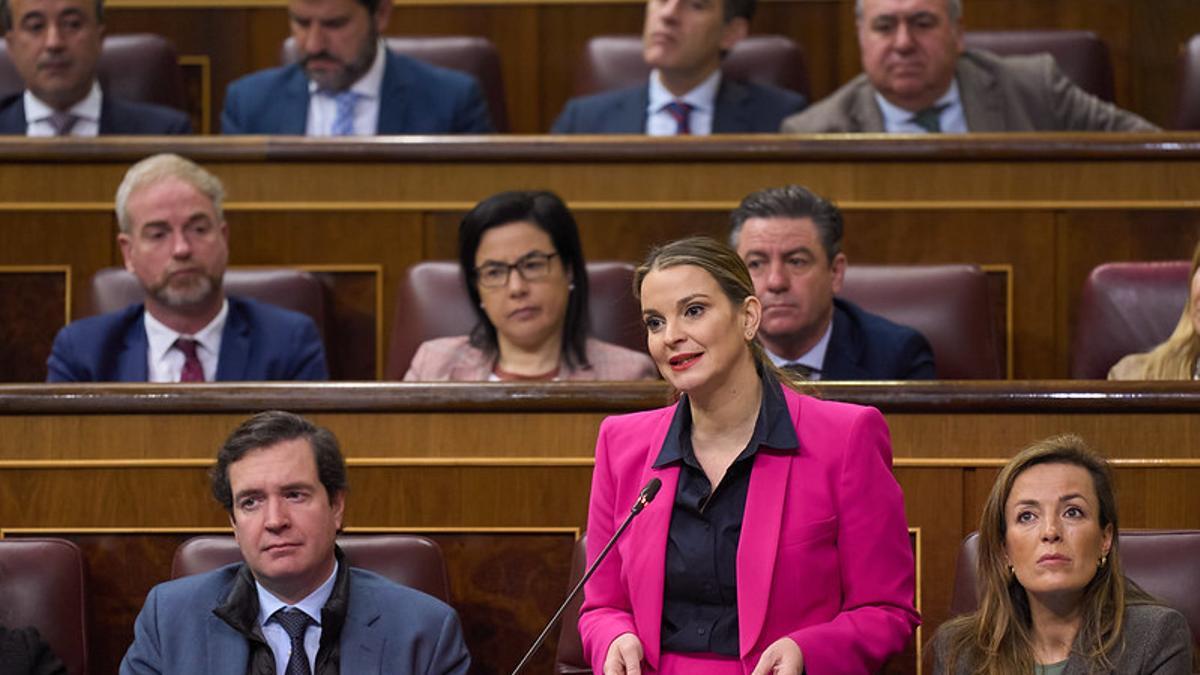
(192, 370)
(681, 112)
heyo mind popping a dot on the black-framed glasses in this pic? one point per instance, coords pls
(531, 266)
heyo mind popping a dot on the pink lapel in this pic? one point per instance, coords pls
(759, 541)
(647, 564)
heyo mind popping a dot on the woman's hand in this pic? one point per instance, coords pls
(783, 657)
(625, 656)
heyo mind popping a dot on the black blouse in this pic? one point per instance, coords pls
(700, 589)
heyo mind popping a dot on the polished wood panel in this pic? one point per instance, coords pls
(35, 301)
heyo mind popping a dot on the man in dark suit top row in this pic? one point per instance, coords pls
(919, 78)
(347, 83)
(683, 41)
(55, 46)
(791, 240)
(174, 239)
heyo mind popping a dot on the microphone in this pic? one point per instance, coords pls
(649, 491)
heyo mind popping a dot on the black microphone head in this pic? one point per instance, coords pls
(651, 490)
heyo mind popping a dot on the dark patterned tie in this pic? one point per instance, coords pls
(800, 369)
(930, 119)
(63, 122)
(295, 623)
(681, 112)
(192, 370)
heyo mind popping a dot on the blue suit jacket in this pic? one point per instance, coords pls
(741, 108)
(866, 346)
(389, 629)
(260, 342)
(415, 98)
(116, 117)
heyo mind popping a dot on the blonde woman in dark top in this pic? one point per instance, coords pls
(1052, 594)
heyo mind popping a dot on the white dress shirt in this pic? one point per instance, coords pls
(703, 100)
(897, 120)
(813, 358)
(322, 109)
(37, 115)
(277, 636)
(165, 362)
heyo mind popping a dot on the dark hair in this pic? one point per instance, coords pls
(6, 14)
(546, 211)
(371, 5)
(275, 426)
(791, 201)
(739, 8)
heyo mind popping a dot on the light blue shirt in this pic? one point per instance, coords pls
(277, 637)
(813, 358)
(897, 120)
(703, 100)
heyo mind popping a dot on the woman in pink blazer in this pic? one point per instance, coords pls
(798, 560)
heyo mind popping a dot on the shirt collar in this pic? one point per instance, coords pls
(702, 98)
(161, 338)
(772, 429)
(311, 605)
(813, 358)
(895, 116)
(369, 85)
(87, 109)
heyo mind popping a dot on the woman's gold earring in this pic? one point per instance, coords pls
(1104, 560)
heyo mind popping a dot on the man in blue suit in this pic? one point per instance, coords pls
(54, 46)
(294, 606)
(348, 84)
(683, 41)
(791, 240)
(174, 239)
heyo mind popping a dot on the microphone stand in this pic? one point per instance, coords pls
(646, 496)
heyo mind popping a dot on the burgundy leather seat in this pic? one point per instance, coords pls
(406, 559)
(43, 583)
(137, 67)
(1187, 98)
(615, 61)
(1080, 54)
(114, 288)
(570, 660)
(1165, 563)
(948, 304)
(1125, 308)
(432, 302)
(475, 56)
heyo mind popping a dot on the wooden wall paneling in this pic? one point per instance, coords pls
(197, 80)
(1158, 30)
(35, 302)
(81, 240)
(1086, 239)
(354, 295)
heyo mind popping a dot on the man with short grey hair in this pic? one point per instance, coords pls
(174, 239)
(791, 240)
(55, 46)
(918, 77)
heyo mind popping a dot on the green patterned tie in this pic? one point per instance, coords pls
(930, 119)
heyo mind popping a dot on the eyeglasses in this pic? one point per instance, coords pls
(531, 267)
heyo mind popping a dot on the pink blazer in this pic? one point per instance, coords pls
(824, 555)
(454, 359)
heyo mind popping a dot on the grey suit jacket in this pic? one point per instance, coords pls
(389, 630)
(1157, 642)
(1013, 93)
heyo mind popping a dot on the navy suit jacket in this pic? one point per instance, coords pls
(741, 108)
(415, 98)
(260, 342)
(117, 117)
(389, 629)
(866, 346)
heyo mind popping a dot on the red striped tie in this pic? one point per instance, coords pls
(681, 112)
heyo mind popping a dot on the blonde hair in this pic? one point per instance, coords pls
(996, 639)
(730, 273)
(1175, 358)
(160, 167)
